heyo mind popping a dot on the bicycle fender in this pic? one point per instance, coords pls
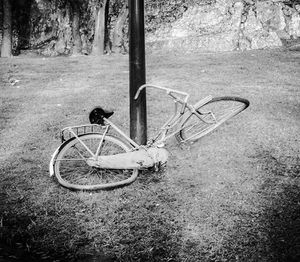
(51, 164)
(203, 101)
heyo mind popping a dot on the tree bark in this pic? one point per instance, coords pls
(77, 43)
(118, 41)
(99, 36)
(6, 47)
(107, 42)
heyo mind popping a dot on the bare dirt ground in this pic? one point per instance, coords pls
(232, 196)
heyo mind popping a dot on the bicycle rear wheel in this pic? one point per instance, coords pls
(72, 171)
(214, 113)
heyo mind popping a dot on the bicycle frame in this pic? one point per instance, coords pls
(177, 118)
(100, 155)
(162, 135)
(153, 153)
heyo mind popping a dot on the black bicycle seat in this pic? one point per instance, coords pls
(97, 114)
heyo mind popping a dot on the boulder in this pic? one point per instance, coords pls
(230, 25)
(259, 29)
(262, 41)
(205, 28)
(271, 16)
(294, 25)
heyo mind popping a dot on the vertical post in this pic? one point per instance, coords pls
(137, 75)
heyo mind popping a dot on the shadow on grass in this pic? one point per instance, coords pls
(139, 222)
(150, 176)
(284, 225)
(43, 229)
(271, 232)
(267, 227)
(282, 214)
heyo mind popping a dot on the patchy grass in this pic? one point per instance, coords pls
(232, 196)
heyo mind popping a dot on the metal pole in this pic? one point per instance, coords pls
(137, 75)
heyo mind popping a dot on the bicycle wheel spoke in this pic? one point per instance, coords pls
(71, 159)
(78, 152)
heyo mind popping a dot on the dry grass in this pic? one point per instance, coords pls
(233, 196)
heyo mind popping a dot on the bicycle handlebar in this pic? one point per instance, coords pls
(168, 90)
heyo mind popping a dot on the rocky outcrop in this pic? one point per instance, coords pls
(206, 25)
(51, 32)
(209, 27)
(230, 25)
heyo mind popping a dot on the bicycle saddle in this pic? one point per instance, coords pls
(97, 114)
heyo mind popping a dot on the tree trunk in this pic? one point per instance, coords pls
(118, 41)
(6, 48)
(99, 36)
(107, 42)
(77, 43)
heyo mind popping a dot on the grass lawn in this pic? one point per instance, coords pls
(232, 196)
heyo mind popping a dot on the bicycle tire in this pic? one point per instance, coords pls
(223, 108)
(72, 171)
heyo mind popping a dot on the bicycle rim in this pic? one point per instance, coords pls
(221, 108)
(73, 172)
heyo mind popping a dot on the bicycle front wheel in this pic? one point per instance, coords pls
(213, 114)
(73, 172)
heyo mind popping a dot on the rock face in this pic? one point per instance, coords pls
(188, 26)
(210, 28)
(50, 30)
(230, 25)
